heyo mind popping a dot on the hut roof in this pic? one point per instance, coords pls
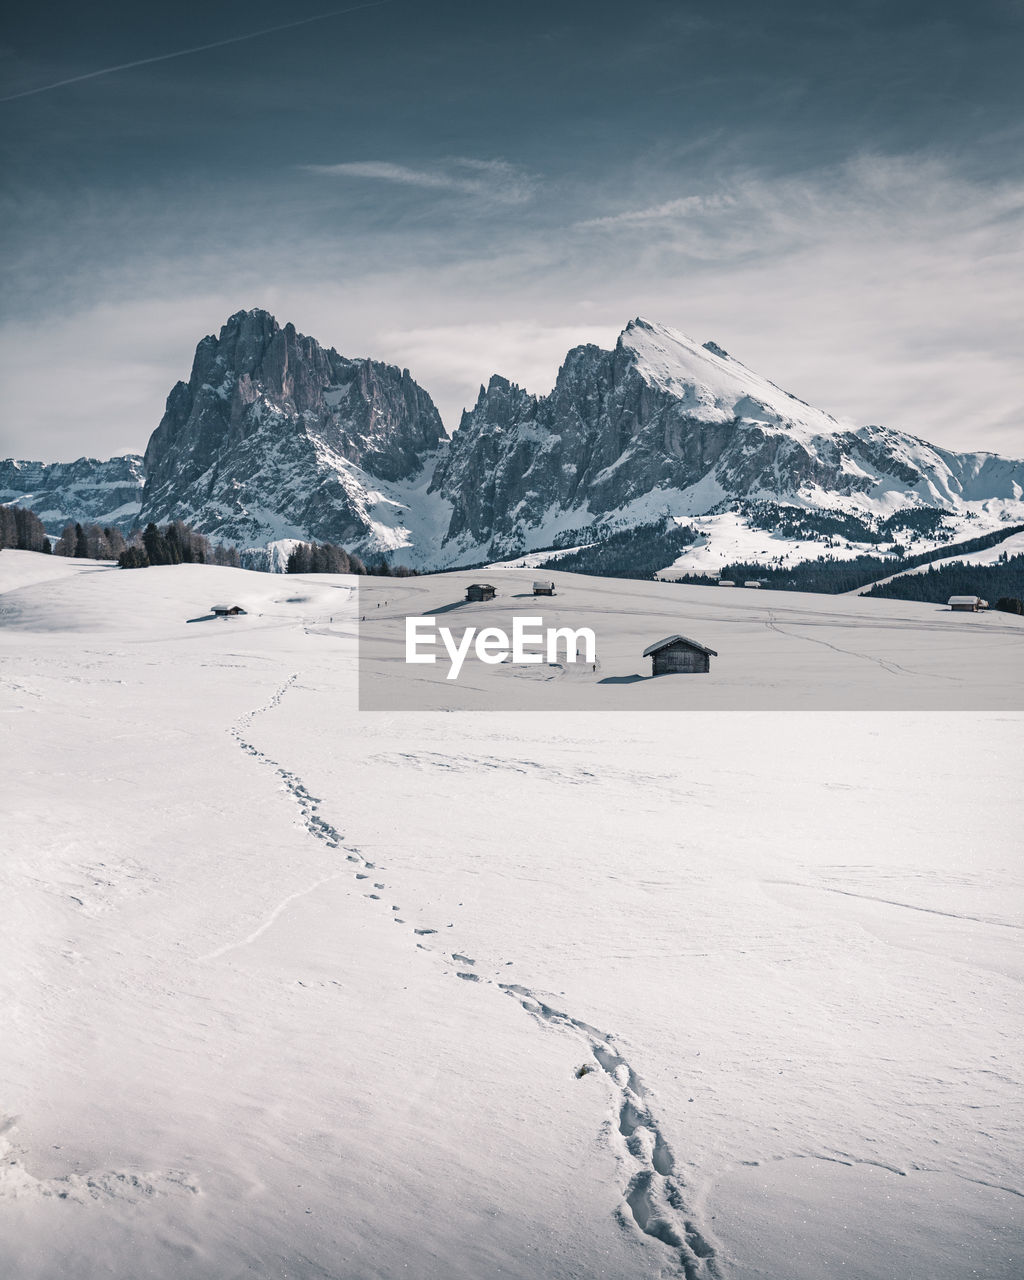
(963, 600)
(663, 644)
(486, 585)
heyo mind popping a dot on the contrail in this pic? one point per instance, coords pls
(199, 48)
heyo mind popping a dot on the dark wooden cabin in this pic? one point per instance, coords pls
(543, 588)
(967, 604)
(226, 610)
(677, 655)
(480, 591)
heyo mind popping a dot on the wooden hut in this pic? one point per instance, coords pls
(543, 588)
(226, 610)
(966, 604)
(726, 582)
(678, 655)
(480, 591)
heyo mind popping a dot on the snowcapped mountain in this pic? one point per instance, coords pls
(275, 437)
(662, 425)
(104, 493)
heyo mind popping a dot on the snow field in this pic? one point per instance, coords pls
(299, 990)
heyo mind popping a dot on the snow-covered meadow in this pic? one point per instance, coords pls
(294, 989)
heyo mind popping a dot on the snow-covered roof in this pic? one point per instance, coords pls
(964, 600)
(663, 644)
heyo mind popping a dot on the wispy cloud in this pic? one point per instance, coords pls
(885, 199)
(494, 180)
(667, 212)
(884, 290)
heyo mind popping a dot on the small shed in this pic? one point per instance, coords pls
(726, 582)
(226, 610)
(678, 655)
(754, 582)
(967, 604)
(543, 588)
(480, 591)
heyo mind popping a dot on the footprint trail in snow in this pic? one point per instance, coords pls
(654, 1190)
(653, 1193)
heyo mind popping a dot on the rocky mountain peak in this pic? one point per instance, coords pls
(274, 436)
(263, 404)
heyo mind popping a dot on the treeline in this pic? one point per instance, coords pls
(808, 524)
(22, 530)
(828, 576)
(175, 543)
(629, 553)
(325, 557)
(990, 581)
(825, 575)
(805, 525)
(89, 542)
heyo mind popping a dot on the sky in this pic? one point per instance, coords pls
(834, 194)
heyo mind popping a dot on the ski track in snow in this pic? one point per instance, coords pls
(893, 668)
(653, 1200)
(909, 906)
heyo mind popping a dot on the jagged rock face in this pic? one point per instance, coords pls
(274, 436)
(661, 415)
(88, 490)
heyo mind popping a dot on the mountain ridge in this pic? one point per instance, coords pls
(274, 436)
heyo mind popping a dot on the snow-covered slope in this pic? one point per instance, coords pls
(664, 426)
(294, 990)
(94, 492)
(275, 437)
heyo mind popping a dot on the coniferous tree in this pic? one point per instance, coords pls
(299, 558)
(326, 557)
(224, 554)
(81, 544)
(115, 540)
(22, 530)
(133, 558)
(157, 551)
(66, 542)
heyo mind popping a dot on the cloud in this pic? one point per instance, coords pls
(666, 213)
(885, 199)
(453, 360)
(885, 290)
(494, 180)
